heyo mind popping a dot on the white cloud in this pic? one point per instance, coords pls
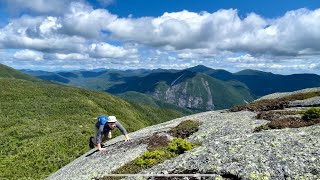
(38, 6)
(49, 24)
(295, 33)
(28, 55)
(71, 31)
(39, 33)
(188, 55)
(172, 58)
(247, 58)
(72, 56)
(85, 21)
(104, 50)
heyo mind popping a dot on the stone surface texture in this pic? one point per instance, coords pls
(283, 94)
(229, 147)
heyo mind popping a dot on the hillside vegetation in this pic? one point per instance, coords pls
(136, 97)
(44, 126)
(8, 72)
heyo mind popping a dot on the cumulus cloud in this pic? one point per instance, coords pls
(28, 55)
(38, 6)
(247, 58)
(104, 50)
(69, 31)
(72, 56)
(39, 33)
(83, 20)
(296, 33)
(49, 25)
(188, 55)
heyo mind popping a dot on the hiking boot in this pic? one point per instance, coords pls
(91, 145)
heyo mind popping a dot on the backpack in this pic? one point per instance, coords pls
(103, 119)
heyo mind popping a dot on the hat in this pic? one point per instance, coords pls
(112, 119)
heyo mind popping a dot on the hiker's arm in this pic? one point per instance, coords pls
(123, 130)
(127, 137)
(99, 147)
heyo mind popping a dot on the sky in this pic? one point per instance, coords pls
(279, 36)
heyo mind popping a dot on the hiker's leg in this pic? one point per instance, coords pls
(109, 135)
(105, 135)
(96, 131)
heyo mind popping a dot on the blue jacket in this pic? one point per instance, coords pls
(104, 129)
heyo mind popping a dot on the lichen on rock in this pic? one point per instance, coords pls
(229, 147)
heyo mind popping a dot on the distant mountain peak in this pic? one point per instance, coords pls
(199, 68)
(253, 72)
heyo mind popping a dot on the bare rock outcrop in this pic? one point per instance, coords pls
(229, 149)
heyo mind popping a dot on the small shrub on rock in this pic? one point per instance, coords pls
(149, 158)
(261, 128)
(311, 113)
(179, 146)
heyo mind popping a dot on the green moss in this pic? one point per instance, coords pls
(150, 158)
(179, 146)
(311, 113)
(146, 160)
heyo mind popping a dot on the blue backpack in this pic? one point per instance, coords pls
(103, 119)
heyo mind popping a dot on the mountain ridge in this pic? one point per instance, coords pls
(160, 84)
(188, 89)
(260, 83)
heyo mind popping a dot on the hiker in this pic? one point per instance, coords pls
(103, 127)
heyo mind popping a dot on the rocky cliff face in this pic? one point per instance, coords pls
(187, 89)
(197, 93)
(230, 149)
(178, 94)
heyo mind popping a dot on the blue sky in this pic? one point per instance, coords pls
(140, 8)
(275, 36)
